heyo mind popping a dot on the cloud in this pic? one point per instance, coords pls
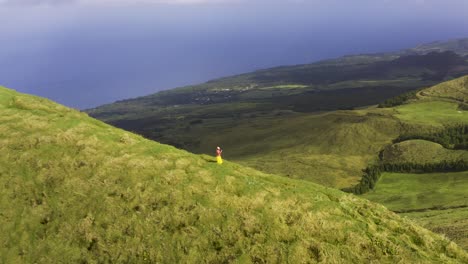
(108, 2)
(36, 2)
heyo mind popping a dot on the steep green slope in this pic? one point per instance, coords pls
(456, 90)
(77, 190)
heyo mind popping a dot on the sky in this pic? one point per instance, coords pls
(84, 53)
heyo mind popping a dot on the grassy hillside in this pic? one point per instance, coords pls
(455, 90)
(77, 190)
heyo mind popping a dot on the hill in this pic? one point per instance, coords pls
(77, 190)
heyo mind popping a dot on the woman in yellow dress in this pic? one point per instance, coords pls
(219, 159)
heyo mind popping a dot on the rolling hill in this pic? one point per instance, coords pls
(77, 190)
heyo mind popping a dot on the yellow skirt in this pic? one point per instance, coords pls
(219, 160)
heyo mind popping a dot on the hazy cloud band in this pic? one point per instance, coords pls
(108, 2)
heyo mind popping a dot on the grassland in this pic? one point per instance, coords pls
(77, 190)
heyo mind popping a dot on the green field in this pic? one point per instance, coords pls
(432, 113)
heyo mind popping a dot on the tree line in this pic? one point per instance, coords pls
(372, 174)
(399, 99)
(453, 137)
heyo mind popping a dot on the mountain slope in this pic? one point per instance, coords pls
(77, 190)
